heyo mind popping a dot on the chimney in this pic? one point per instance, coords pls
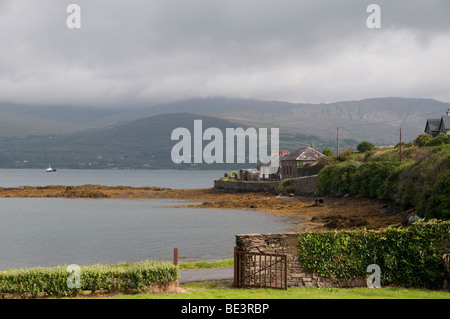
(448, 112)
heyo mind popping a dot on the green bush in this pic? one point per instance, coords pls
(327, 152)
(408, 257)
(423, 184)
(365, 146)
(439, 140)
(53, 281)
(349, 177)
(336, 177)
(286, 186)
(422, 139)
(345, 155)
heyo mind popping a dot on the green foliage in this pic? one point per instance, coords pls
(370, 179)
(286, 186)
(423, 184)
(327, 152)
(206, 264)
(336, 177)
(439, 140)
(365, 146)
(409, 257)
(53, 281)
(422, 139)
(345, 155)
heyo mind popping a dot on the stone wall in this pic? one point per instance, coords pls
(306, 185)
(243, 186)
(300, 276)
(301, 186)
(284, 243)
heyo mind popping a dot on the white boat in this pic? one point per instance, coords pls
(50, 169)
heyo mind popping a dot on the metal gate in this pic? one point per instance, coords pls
(259, 270)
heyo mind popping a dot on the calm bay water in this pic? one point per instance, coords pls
(54, 231)
(177, 179)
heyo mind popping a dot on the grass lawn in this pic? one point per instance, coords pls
(224, 290)
(206, 264)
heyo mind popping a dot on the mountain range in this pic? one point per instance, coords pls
(86, 137)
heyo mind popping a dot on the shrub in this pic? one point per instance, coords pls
(336, 178)
(286, 186)
(345, 155)
(53, 281)
(327, 152)
(422, 139)
(439, 140)
(423, 185)
(365, 146)
(408, 257)
(367, 179)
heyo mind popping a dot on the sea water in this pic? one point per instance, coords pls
(57, 231)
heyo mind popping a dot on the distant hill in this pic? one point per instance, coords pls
(144, 143)
(20, 121)
(377, 120)
(71, 137)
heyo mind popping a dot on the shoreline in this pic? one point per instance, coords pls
(335, 213)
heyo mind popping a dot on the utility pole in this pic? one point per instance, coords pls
(400, 144)
(337, 139)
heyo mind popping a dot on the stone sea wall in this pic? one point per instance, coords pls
(301, 186)
(244, 186)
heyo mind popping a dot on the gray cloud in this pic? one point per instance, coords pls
(137, 52)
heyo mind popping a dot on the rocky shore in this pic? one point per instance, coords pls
(303, 212)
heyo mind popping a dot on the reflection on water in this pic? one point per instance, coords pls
(53, 231)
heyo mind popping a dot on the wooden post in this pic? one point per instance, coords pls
(175, 256)
(236, 274)
(400, 144)
(337, 138)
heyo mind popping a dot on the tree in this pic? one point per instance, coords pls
(365, 146)
(422, 139)
(327, 152)
(439, 140)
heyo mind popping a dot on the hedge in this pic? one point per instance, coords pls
(409, 257)
(45, 282)
(375, 179)
(423, 185)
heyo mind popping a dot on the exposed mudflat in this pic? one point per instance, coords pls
(332, 213)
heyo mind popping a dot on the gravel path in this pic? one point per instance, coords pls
(206, 274)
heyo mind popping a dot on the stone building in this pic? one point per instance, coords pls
(291, 162)
(271, 169)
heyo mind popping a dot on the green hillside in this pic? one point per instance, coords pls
(377, 120)
(87, 137)
(144, 143)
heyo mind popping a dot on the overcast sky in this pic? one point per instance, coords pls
(141, 52)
